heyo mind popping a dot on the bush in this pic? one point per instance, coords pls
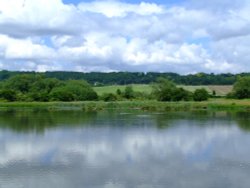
(21, 83)
(200, 95)
(61, 94)
(165, 90)
(73, 90)
(129, 92)
(241, 89)
(42, 96)
(108, 97)
(179, 94)
(9, 95)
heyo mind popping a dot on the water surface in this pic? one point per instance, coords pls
(124, 150)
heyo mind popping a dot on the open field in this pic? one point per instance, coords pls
(112, 89)
(149, 105)
(219, 89)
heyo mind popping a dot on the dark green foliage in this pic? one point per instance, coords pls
(73, 90)
(41, 89)
(21, 83)
(42, 96)
(46, 85)
(109, 97)
(81, 89)
(61, 94)
(200, 95)
(165, 90)
(180, 94)
(241, 89)
(9, 95)
(33, 87)
(142, 96)
(124, 78)
(118, 92)
(128, 92)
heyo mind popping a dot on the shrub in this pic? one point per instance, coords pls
(241, 88)
(165, 90)
(108, 97)
(61, 94)
(9, 95)
(200, 95)
(129, 92)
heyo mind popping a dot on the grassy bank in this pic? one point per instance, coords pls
(214, 104)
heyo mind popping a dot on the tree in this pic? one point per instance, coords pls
(200, 95)
(81, 89)
(241, 88)
(21, 83)
(163, 89)
(129, 92)
(179, 94)
(61, 94)
(118, 92)
(9, 95)
(73, 90)
(108, 97)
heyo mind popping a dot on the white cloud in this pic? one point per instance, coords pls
(113, 35)
(118, 9)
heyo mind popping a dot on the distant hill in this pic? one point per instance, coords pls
(124, 78)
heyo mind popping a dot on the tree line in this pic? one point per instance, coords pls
(125, 78)
(37, 87)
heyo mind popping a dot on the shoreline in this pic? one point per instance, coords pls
(154, 106)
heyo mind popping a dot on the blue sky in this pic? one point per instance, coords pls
(132, 1)
(183, 36)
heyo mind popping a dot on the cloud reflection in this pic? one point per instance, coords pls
(184, 155)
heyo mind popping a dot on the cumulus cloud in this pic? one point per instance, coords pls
(118, 36)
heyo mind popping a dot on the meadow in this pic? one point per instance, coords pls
(221, 90)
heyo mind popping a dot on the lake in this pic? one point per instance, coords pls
(74, 149)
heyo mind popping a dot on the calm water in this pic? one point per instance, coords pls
(117, 150)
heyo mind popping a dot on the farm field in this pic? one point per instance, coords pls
(221, 90)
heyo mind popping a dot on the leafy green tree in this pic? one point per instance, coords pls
(179, 94)
(9, 95)
(21, 83)
(118, 92)
(214, 93)
(81, 89)
(42, 87)
(109, 97)
(129, 92)
(163, 89)
(46, 85)
(61, 94)
(241, 88)
(200, 95)
(73, 90)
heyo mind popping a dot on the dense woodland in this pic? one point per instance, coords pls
(124, 78)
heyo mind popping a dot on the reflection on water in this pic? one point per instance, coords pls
(112, 149)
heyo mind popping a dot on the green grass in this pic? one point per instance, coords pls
(112, 89)
(213, 104)
(220, 90)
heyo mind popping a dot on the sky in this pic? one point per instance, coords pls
(182, 36)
